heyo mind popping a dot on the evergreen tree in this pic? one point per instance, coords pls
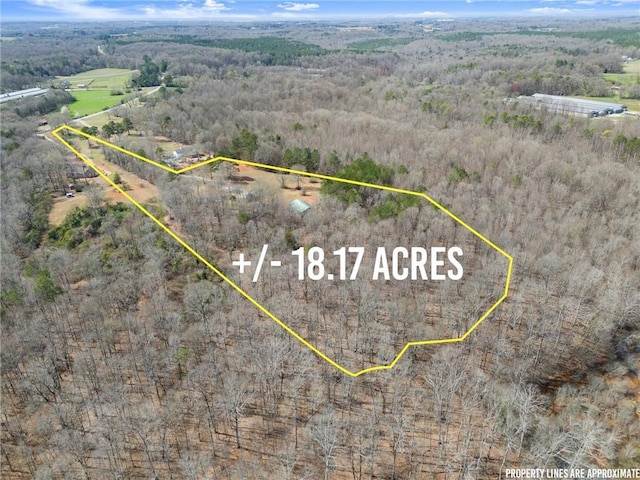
(149, 73)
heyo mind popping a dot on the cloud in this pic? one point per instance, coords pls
(213, 5)
(298, 7)
(210, 10)
(548, 10)
(153, 10)
(427, 14)
(164, 10)
(234, 10)
(80, 9)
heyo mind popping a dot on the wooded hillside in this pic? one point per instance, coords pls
(124, 357)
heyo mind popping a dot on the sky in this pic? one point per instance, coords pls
(251, 10)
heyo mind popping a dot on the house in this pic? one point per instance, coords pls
(185, 152)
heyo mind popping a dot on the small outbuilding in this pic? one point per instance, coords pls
(76, 172)
(299, 206)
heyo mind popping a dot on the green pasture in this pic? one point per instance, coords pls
(101, 78)
(631, 75)
(93, 101)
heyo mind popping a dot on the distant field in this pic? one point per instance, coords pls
(93, 101)
(104, 78)
(630, 76)
(632, 67)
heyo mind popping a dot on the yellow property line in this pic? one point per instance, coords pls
(245, 294)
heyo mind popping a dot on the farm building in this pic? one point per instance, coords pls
(75, 172)
(29, 92)
(572, 106)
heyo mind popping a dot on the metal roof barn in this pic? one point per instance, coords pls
(572, 106)
(29, 92)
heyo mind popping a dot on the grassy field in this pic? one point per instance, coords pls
(93, 101)
(102, 78)
(631, 74)
(96, 120)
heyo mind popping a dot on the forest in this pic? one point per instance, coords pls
(124, 356)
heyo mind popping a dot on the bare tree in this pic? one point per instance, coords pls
(324, 433)
(236, 395)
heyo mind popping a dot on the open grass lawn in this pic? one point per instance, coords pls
(107, 78)
(632, 67)
(93, 101)
(631, 74)
(96, 120)
(101, 82)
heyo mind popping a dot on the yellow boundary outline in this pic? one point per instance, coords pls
(388, 366)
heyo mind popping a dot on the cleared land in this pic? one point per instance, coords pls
(256, 178)
(99, 85)
(631, 75)
(95, 120)
(102, 78)
(92, 101)
(246, 178)
(96, 103)
(140, 189)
